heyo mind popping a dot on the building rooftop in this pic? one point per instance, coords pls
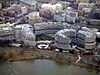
(63, 32)
(3, 25)
(32, 2)
(86, 33)
(25, 27)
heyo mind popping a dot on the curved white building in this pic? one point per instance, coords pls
(29, 39)
(25, 33)
(86, 39)
(63, 38)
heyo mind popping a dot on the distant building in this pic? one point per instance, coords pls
(71, 16)
(24, 9)
(13, 11)
(82, 1)
(60, 16)
(46, 1)
(96, 14)
(6, 32)
(30, 4)
(86, 39)
(97, 4)
(72, 1)
(86, 11)
(85, 5)
(66, 16)
(34, 17)
(0, 6)
(94, 22)
(48, 10)
(95, 19)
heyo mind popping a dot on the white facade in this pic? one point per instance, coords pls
(50, 9)
(0, 6)
(71, 16)
(85, 5)
(25, 33)
(29, 39)
(6, 33)
(66, 16)
(87, 39)
(34, 18)
(87, 10)
(97, 34)
(82, 1)
(17, 30)
(50, 27)
(30, 4)
(63, 38)
(60, 16)
(24, 10)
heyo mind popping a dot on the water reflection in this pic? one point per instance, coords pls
(42, 67)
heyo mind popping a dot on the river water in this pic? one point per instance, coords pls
(42, 67)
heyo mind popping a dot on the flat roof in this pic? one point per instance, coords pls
(32, 2)
(23, 25)
(87, 33)
(3, 25)
(64, 31)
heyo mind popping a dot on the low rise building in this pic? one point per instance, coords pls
(97, 4)
(64, 38)
(6, 32)
(95, 19)
(82, 1)
(97, 35)
(46, 1)
(0, 6)
(94, 22)
(48, 10)
(12, 11)
(86, 11)
(17, 32)
(60, 16)
(69, 16)
(25, 33)
(86, 39)
(94, 31)
(49, 28)
(24, 9)
(34, 17)
(28, 38)
(85, 5)
(30, 4)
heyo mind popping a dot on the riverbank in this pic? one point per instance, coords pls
(58, 60)
(29, 56)
(20, 54)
